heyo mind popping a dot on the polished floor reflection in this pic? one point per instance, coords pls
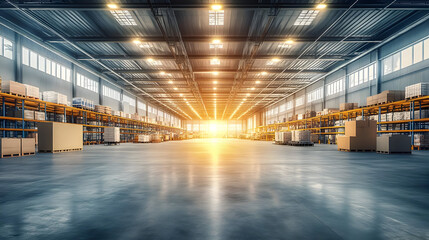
(214, 189)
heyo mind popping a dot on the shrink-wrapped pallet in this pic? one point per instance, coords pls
(112, 135)
(13, 88)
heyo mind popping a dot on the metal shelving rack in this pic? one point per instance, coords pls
(324, 125)
(93, 122)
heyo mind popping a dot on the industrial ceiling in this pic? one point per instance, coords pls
(213, 59)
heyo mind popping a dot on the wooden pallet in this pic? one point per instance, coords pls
(356, 150)
(61, 150)
(33, 97)
(10, 155)
(301, 144)
(414, 97)
(15, 94)
(28, 154)
(111, 143)
(280, 143)
(386, 152)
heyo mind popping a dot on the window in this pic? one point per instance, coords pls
(387, 65)
(299, 101)
(289, 105)
(216, 17)
(7, 48)
(396, 61)
(48, 66)
(111, 93)
(359, 77)
(42, 64)
(282, 108)
(426, 49)
(418, 52)
(129, 100)
(315, 95)
(406, 57)
(83, 81)
(141, 105)
(306, 17)
(336, 86)
(1, 46)
(25, 56)
(33, 59)
(123, 17)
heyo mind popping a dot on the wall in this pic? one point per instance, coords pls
(398, 80)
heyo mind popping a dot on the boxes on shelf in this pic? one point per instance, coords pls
(39, 116)
(300, 116)
(13, 88)
(301, 136)
(31, 91)
(166, 137)
(60, 118)
(128, 115)
(29, 114)
(327, 111)
(310, 114)
(417, 90)
(59, 137)
(348, 106)
(34, 136)
(385, 97)
(103, 109)
(143, 138)
(359, 135)
(112, 135)
(83, 103)
(55, 97)
(10, 147)
(156, 138)
(421, 140)
(394, 144)
(28, 146)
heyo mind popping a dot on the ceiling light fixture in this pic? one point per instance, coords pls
(112, 6)
(252, 88)
(321, 6)
(215, 73)
(258, 82)
(263, 73)
(216, 7)
(175, 88)
(214, 82)
(215, 61)
(216, 43)
(170, 82)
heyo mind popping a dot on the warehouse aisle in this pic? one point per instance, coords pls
(214, 189)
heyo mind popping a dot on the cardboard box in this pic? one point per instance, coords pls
(34, 136)
(112, 135)
(54, 97)
(13, 88)
(348, 106)
(10, 147)
(361, 128)
(301, 136)
(57, 137)
(142, 138)
(356, 143)
(417, 90)
(31, 91)
(29, 114)
(394, 144)
(28, 146)
(39, 116)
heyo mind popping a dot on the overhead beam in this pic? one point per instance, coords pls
(220, 71)
(49, 6)
(226, 57)
(207, 39)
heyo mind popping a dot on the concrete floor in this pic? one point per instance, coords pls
(214, 189)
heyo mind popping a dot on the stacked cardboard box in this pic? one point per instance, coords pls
(327, 111)
(156, 138)
(421, 140)
(54, 97)
(143, 138)
(394, 144)
(31, 91)
(300, 116)
(283, 137)
(58, 137)
(103, 109)
(29, 114)
(135, 116)
(417, 90)
(301, 136)
(385, 97)
(348, 106)
(39, 116)
(112, 135)
(34, 136)
(13, 88)
(10, 147)
(28, 146)
(83, 103)
(359, 135)
(310, 114)
(166, 137)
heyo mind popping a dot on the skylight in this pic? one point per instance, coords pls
(216, 44)
(216, 17)
(306, 17)
(215, 61)
(124, 17)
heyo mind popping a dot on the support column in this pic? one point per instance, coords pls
(73, 79)
(324, 94)
(378, 74)
(346, 85)
(100, 91)
(17, 56)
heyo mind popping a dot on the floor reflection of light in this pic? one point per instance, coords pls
(215, 195)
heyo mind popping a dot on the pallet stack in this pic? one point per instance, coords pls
(388, 144)
(54, 97)
(12, 87)
(59, 137)
(17, 147)
(360, 135)
(112, 135)
(417, 90)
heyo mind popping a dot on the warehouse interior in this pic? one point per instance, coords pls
(214, 119)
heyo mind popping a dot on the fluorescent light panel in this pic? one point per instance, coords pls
(216, 18)
(306, 17)
(124, 17)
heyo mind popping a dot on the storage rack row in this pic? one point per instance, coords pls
(325, 125)
(93, 123)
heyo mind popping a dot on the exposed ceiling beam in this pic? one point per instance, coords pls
(207, 39)
(227, 57)
(151, 71)
(48, 6)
